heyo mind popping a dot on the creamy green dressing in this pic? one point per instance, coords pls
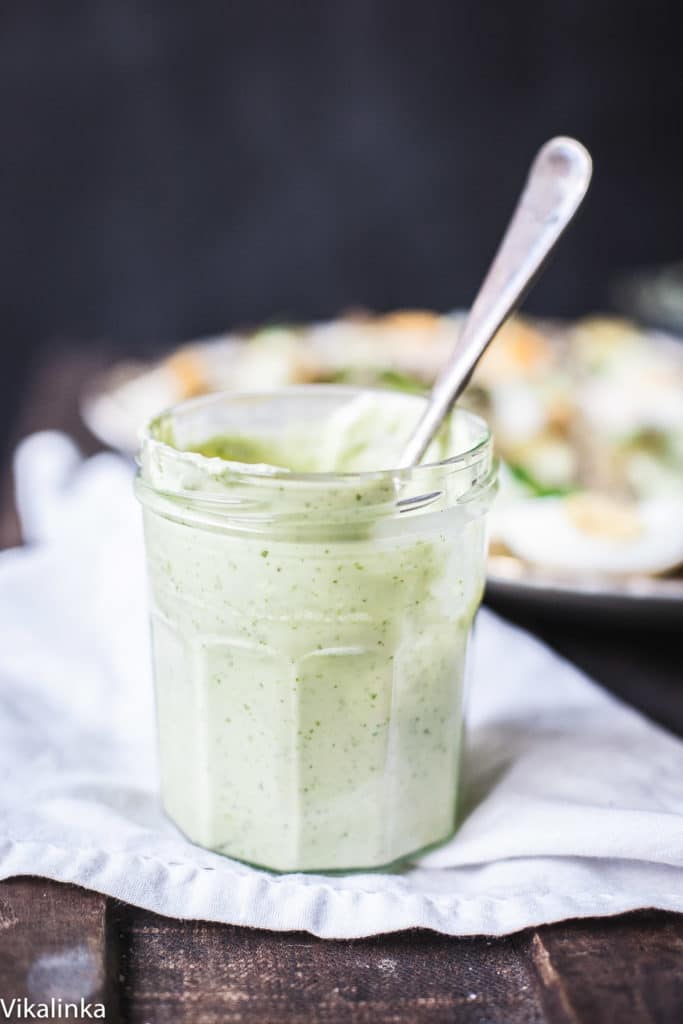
(309, 674)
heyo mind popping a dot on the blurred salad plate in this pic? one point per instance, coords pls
(587, 418)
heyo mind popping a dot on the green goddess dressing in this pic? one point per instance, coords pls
(310, 621)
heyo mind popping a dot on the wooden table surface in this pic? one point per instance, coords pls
(58, 940)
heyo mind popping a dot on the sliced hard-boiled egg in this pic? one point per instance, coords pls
(592, 533)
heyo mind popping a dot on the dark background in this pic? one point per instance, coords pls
(173, 168)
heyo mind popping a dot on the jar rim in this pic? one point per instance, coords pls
(479, 449)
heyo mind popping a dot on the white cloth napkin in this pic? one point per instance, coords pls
(576, 801)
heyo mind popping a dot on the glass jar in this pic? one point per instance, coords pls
(309, 636)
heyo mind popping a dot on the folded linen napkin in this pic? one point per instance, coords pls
(576, 801)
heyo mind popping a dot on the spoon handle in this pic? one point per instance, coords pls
(557, 183)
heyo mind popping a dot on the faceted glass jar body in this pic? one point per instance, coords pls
(309, 640)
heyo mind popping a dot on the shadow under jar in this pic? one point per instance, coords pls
(310, 630)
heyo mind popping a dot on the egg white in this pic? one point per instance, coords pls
(541, 531)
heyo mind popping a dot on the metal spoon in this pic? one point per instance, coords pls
(557, 183)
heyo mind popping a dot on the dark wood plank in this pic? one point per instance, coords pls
(610, 970)
(602, 971)
(57, 942)
(201, 973)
